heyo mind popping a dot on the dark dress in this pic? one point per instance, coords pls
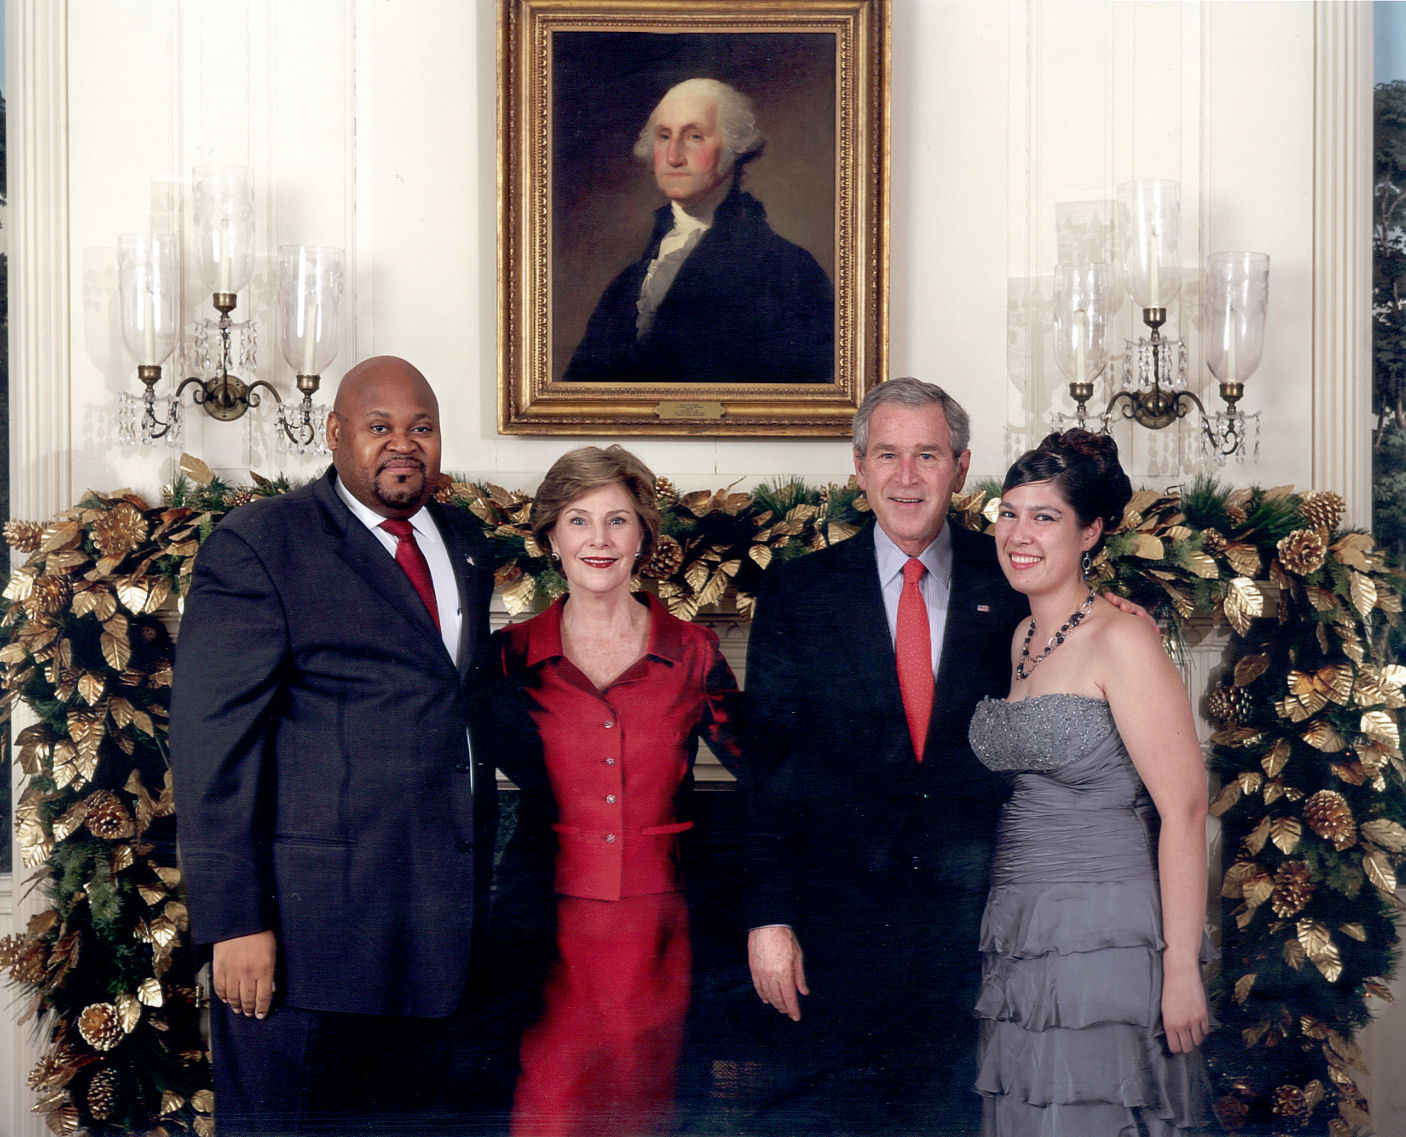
(1070, 1006)
(617, 764)
(747, 306)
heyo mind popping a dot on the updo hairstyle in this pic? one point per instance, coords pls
(588, 468)
(1084, 468)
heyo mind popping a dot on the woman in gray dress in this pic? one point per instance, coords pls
(1092, 1005)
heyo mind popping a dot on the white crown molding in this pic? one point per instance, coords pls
(1342, 255)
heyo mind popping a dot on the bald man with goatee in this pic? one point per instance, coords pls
(336, 811)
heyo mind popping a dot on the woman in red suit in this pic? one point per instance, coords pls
(618, 691)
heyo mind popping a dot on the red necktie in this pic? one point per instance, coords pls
(913, 646)
(409, 557)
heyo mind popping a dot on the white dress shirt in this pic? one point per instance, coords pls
(934, 584)
(446, 588)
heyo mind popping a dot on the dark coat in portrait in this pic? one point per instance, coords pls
(879, 862)
(747, 306)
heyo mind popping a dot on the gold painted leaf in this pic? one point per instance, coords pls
(150, 993)
(518, 595)
(60, 535)
(21, 584)
(762, 554)
(1243, 603)
(1379, 989)
(1386, 833)
(1148, 547)
(171, 1102)
(90, 687)
(196, 470)
(1257, 888)
(1364, 592)
(1321, 736)
(1381, 727)
(1228, 796)
(129, 1011)
(1318, 945)
(1356, 931)
(1243, 558)
(1285, 833)
(73, 767)
(1202, 565)
(1322, 599)
(1355, 550)
(1243, 986)
(697, 575)
(1274, 761)
(1250, 780)
(713, 591)
(1256, 838)
(1377, 866)
(203, 1101)
(116, 650)
(1248, 668)
(71, 820)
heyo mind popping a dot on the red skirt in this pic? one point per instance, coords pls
(602, 1060)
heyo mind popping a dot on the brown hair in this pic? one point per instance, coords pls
(588, 468)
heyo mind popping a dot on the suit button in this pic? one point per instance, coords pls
(608, 723)
(466, 846)
(610, 838)
(610, 761)
(462, 767)
(610, 798)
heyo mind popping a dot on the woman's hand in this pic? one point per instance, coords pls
(1185, 1017)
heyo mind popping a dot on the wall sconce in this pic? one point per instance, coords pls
(1153, 392)
(311, 280)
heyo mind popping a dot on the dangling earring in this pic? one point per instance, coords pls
(1086, 563)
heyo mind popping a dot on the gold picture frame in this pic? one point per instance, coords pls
(577, 81)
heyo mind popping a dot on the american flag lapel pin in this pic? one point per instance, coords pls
(472, 563)
(979, 607)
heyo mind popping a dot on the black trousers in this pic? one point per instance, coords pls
(301, 1073)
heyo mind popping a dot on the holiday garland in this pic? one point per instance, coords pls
(1307, 751)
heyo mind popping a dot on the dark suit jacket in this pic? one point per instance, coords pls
(746, 307)
(320, 762)
(851, 837)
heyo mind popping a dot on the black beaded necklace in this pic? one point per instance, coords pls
(1021, 671)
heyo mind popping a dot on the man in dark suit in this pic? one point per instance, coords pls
(336, 824)
(872, 821)
(717, 296)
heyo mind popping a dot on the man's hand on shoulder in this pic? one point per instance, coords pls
(778, 971)
(1123, 604)
(242, 971)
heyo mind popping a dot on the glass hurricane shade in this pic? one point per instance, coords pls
(224, 226)
(1082, 305)
(1237, 298)
(1149, 238)
(148, 284)
(311, 280)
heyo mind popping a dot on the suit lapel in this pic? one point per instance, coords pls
(368, 558)
(868, 644)
(969, 603)
(469, 565)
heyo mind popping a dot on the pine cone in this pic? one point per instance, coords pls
(1290, 1104)
(49, 596)
(1213, 542)
(1328, 815)
(1236, 515)
(120, 530)
(1232, 1112)
(100, 1026)
(1227, 704)
(107, 817)
(665, 495)
(665, 560)
(240, 497)
(24, 959)
(1303, 551)
(102, 1093)
(23, 535)
(1293, 885)
(1323, 510)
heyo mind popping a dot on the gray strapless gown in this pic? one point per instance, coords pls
(1070, 1008)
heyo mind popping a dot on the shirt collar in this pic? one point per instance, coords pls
(544, 634)
(419, 521)
(936, 558)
